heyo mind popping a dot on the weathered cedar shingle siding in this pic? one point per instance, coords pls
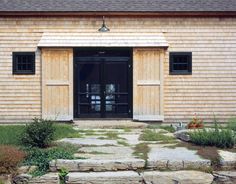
(210, 89)
(118, 5)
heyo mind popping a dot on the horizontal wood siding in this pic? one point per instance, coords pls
(211, 89)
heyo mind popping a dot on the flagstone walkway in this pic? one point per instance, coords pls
(112, 156)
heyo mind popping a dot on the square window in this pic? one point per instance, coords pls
(180, 63)
(23, 63)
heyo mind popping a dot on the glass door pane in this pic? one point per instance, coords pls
(116, 88)
(89, 97)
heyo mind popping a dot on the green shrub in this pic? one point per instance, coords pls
(232, 124)
(10, 157)
(39, 133)
(42, 157)
(222, 138)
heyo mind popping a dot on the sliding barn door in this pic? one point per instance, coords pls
(148, 84)
(57, 84)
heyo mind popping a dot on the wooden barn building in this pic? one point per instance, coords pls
(146, 60)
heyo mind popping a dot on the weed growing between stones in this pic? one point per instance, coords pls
(123, 143)
(141, 150)
(152, 135)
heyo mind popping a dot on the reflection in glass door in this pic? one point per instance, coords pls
(89, 89)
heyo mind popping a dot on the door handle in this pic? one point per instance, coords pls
(87, 90)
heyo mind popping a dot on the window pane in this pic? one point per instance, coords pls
(23, 63)
(180, 63)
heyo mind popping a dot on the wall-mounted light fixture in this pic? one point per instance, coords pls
(104, 28)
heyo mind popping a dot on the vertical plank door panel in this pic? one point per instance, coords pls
(57, 84)
(148, 84)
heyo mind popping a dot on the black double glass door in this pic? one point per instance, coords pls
(102, 88)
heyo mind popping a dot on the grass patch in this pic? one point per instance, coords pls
(141, 150)
(112, 135)
(164, 127)
(127, 130)
(151, 135)
(122, 143)
(65, 131)
(10, 134)
(168, 128)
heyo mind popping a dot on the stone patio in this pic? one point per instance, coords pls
(112, 161)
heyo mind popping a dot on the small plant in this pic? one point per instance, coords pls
(63, 172)
(42, 157)
(39, 133)
(195, 123)
(10, 157)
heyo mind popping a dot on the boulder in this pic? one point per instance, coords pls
(225, 177)
(183, 135)
(22, 179)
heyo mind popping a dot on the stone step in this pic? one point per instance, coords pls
(121, 177)
(129, 177)
(97, 165)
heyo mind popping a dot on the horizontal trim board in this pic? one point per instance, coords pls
(148, 117)
(148, 83)
(117, 14)
(103, 40)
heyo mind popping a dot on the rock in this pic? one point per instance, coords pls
(6, 178)
(131, 139)
(225, 177)
(89, 141)
(26, 169)
(98, 165)
(32, 168)
(120, 177)
(183, 135)
(109, 152)
(175, 158)
(181, 177)
(23, 169)
(228, 159)
(50, 178)
(22, 179)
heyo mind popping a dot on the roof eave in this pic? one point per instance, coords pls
(119, 13)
